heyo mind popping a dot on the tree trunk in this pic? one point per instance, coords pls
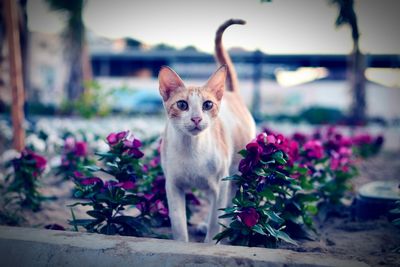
(75, 81)
(357, 83)
(16, 74)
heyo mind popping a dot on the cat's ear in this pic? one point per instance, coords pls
(169, 81)
(216, 83)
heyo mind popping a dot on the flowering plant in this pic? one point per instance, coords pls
(366, 145)
(152, 188)
(109, 199)
(74, 158)
(265, 194)
(28, 168)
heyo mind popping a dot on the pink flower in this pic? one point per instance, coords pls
(128, 185)
(115, 138)
(249, 216)
(253, 156)
(91, 181)
(81, 149)
(314, 149)
(78, 175)
(69, 144)
(40, 161)
(160, 208)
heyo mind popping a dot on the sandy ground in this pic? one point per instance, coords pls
(376, 242)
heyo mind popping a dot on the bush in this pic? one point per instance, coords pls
(108, 199)
(24, 180)
(323, 115)
(284, 182)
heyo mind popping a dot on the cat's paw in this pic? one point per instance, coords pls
(201, 228)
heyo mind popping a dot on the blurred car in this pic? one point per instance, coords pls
(140, 101)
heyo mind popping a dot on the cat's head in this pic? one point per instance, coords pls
(191, 109)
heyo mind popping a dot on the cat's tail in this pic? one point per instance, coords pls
(223, 57)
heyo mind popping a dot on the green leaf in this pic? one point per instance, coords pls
(278, 157)
(243, 152)
(80, 203)
(96, 214)
(273, 216)
(283, 236)
(232, 178)
(267, 192)
(225, 233)
(93, 168)
(260, 172)
(396, 222)
(270, 230)
(109, 229)
(257, 228)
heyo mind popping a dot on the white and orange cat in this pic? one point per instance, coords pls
(206, 127)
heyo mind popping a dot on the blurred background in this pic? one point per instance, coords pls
(90, 67)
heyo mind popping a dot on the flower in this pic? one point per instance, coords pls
(314, 149)
(115, 138)
(249, 216)
(160, 208)
(253, 156)
(81, 149)
(91, 181)
(128, 185)
(131, 146)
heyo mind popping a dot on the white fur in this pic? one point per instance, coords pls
(193, 158)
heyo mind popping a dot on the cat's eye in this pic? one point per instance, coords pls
(182, 105)
(207, 105)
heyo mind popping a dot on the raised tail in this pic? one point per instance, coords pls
(223, 57)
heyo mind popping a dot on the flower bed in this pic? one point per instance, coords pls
(283, 183)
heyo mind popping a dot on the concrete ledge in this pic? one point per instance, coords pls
(36, 247)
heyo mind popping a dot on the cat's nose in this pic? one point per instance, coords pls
(196, 120)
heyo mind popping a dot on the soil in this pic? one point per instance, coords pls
(375, 242)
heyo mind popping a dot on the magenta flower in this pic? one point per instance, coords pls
(81, 149)
(39, 161)
(115, 138)
(314, 149)
(128, 185)
(91, 181)
(249, 216)
(160, 208)
(78, 174)
(131, 147)
(253, 156)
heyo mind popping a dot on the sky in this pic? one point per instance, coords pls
(280, 27)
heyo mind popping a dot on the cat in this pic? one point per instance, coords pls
(206, 128)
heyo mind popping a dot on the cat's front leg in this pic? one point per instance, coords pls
(219, 200)
(177, 211)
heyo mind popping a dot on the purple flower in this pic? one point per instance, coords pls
(249, 216)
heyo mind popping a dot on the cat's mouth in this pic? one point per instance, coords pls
(195, 130)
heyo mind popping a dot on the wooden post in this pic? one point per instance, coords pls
(16, 74)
